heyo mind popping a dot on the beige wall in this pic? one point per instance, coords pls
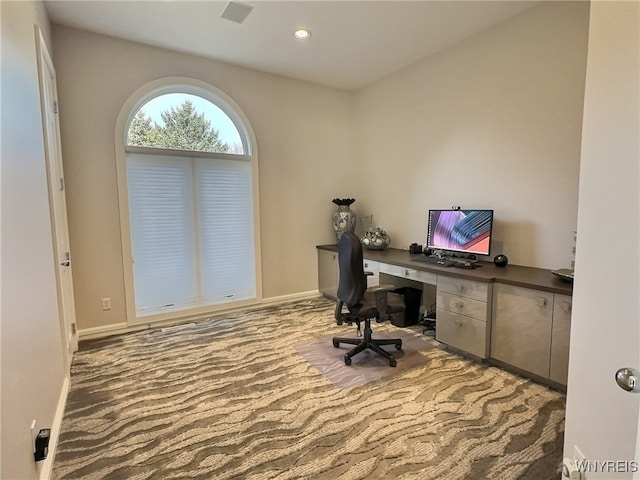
(33, 376)
(492, 122)
(304, 134)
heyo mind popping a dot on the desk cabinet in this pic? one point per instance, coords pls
(328, 273)
(463, 311)
(530, 331)
(516, 317)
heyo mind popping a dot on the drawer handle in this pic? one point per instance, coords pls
(541, 301)
(459, 304)
(406, 272)
(460, 287)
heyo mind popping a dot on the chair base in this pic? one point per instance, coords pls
(366, 342)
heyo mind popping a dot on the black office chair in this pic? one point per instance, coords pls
(362, 304)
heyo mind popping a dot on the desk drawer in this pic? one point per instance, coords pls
(466, 288)
(410, 273)
(462, 306)
(462, 333)
(372, 267)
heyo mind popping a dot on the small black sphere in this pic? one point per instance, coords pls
(501, 260)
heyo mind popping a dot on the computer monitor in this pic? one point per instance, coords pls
(466, 231)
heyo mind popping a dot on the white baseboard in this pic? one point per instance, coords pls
(99, 332)
(45, 468)
(290, 298)
(119, 328)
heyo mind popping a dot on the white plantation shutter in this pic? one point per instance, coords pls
(225, 229)
(162, 239)
(191, 231)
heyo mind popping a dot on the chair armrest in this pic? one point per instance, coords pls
(382, 288)
(381, 294)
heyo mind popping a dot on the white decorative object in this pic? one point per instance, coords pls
(376, 239)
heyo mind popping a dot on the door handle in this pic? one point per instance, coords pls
(67, 260)
(628, 379)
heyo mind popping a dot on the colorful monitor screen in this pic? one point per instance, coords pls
(467, 231)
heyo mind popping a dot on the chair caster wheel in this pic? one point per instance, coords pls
(347, 360)
(392, 362)
(398, 347)
(336, 343)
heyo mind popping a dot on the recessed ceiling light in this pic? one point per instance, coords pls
(302, 34)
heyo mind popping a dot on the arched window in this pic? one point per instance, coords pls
(191, 208)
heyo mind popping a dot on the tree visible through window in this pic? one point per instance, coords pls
(184, 122)
(184, 129)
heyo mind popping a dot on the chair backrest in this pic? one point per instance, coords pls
(352, 282)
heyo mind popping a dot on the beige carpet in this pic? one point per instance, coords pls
(232, 398)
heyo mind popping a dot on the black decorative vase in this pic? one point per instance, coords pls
(501, 260)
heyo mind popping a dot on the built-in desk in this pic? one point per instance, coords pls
(516, 317)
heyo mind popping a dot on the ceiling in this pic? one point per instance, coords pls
(352, 44)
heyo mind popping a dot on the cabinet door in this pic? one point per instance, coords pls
(521, 328)
(560, 339)
(328, 273)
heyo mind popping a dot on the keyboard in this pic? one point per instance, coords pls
(436, 261)
(468, 265)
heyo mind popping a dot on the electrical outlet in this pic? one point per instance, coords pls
(106, 303)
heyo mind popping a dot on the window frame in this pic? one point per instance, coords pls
(139, 98)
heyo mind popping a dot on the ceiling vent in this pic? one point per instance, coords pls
(236, 12)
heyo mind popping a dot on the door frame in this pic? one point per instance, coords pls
(57, 198)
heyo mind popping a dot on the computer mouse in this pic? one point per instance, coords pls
(468, 264)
